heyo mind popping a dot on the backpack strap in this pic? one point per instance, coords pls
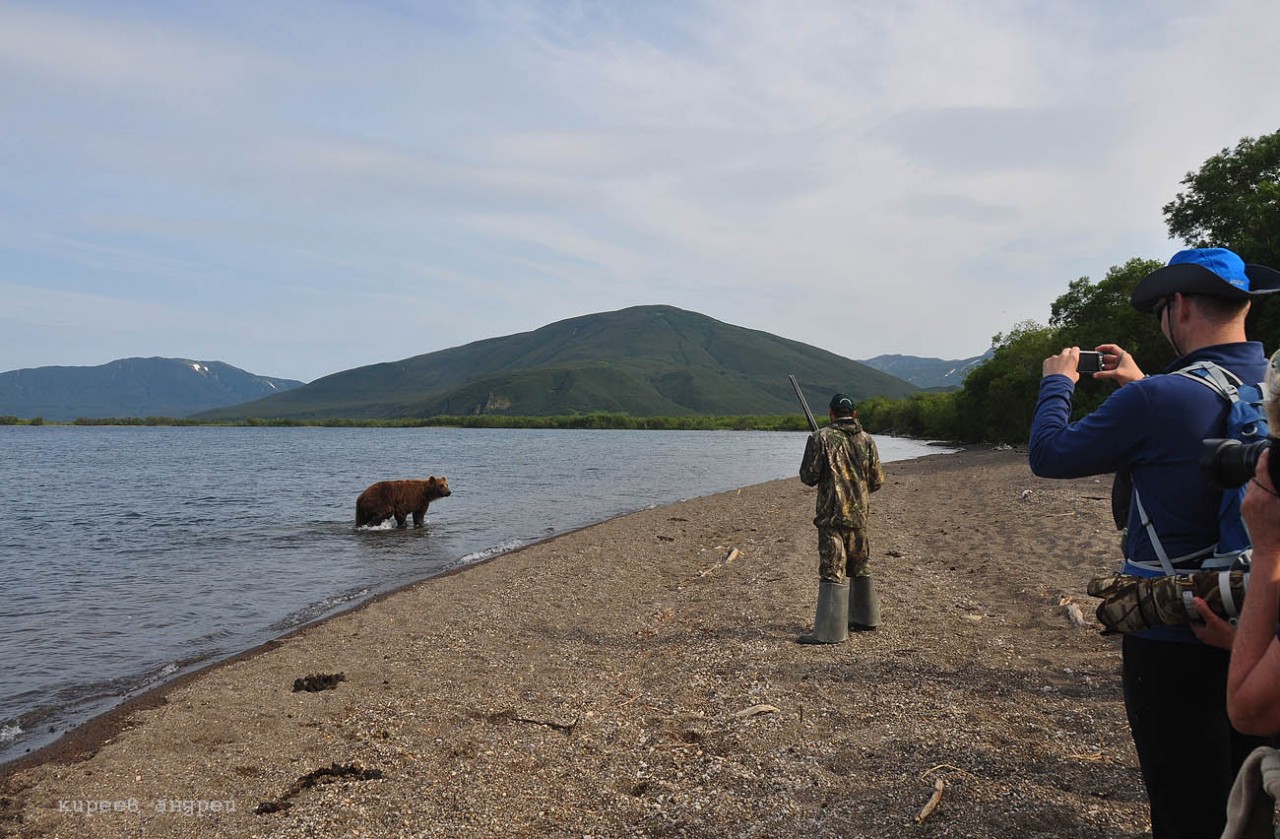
(1229, 604)
(1166, 564)
(1226, 384)
(1222, 381)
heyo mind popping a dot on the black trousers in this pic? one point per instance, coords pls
(1176, 699)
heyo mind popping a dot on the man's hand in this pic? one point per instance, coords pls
(1214, 631)
(1117, 365)
(1063, 364)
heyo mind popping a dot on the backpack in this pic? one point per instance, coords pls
(1247, 423)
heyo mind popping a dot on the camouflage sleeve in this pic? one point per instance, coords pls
(875, 472)
(811, 466)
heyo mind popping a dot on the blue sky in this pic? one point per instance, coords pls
(299, 188)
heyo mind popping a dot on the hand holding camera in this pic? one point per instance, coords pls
(1107, 361)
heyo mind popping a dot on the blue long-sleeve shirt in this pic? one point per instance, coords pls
(1153, 427)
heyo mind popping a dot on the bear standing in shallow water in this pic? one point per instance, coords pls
(399, 498)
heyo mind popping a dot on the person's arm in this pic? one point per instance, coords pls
(811, 466)
(875, 472)
(1253, 681)
(1097, 443)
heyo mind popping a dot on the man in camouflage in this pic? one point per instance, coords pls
(841, 460)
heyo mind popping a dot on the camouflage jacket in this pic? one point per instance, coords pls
(841, 460)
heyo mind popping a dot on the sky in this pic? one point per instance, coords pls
(301, 188)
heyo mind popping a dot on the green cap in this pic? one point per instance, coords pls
(841, 405)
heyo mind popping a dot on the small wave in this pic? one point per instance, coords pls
(318, 609)
(389, 524)
(158, 677)
(489, 553)
(10, 732)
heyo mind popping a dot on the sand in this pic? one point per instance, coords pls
(629, 680)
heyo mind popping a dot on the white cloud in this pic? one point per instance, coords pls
(130, 58)
(908, 177)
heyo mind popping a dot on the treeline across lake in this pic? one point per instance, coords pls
(760, 422)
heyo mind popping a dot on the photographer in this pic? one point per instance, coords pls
(1150, 429)
(1253, 683)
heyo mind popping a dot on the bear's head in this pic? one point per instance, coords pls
(438, 487)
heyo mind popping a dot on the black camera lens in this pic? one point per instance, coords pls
(1231, 463)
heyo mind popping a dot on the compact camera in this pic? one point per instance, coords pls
(1090, 362)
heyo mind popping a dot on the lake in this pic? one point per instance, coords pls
(130, 555)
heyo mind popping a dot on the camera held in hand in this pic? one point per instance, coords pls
(1231, 463)
(1090, 362)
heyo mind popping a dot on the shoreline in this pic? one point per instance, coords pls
(83, 740)
(646, 679)
(84, 737)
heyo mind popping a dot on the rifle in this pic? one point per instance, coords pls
(813, 423)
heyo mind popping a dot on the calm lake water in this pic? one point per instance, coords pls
(130, 555)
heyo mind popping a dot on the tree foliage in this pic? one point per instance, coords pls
(1090, 314)
(999, 397)
(1233, 201)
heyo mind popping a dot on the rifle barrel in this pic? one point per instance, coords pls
(813, 423)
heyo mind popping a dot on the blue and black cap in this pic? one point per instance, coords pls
(841, 405)
(1213, 272)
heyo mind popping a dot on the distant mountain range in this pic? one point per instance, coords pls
(927, 373)
(641, 361)
(131, 387)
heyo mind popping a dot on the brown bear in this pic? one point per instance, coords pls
(399, 498)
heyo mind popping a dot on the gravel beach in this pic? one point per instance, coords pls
(641, 678)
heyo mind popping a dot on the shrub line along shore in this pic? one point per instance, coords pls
(639, 677)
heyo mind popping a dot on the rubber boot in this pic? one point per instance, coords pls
(864, 605)
(830, 625)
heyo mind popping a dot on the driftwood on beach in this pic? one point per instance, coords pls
(640, 678)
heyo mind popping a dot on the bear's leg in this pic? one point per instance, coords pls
(400, 517)
(418, 516)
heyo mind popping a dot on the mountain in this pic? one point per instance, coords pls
(927, 373)
(131, 387)
(642, 361)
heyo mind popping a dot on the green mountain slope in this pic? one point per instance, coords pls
(642, 361)
(131, 387)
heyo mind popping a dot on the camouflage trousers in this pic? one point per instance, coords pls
(843, 552)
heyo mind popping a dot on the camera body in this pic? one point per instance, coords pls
(1090, 362)
(1231, 463)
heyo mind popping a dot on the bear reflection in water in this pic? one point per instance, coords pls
(399, 498)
